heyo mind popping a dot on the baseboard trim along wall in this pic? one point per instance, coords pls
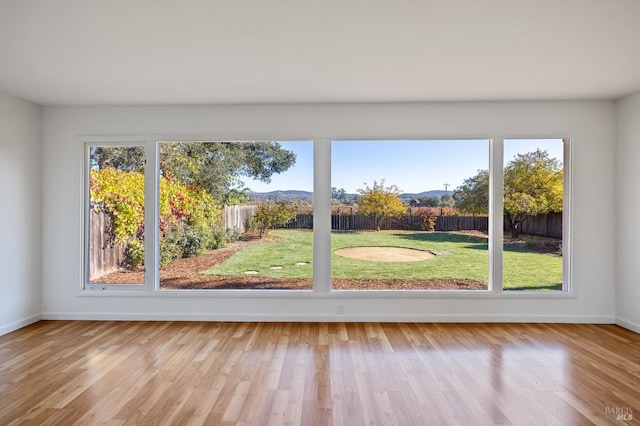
(629, 325)
(8, 328)
(106, 316)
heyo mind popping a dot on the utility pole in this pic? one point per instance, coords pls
(446, 186)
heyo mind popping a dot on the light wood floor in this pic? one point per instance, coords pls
(69, 372)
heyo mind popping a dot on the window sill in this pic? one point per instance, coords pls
(338, 294)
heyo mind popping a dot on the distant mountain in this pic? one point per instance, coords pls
(292, 194)
(406, 196)
(288, 195)
(434, 193)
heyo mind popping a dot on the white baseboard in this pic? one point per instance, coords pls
(107, 316)
(8, 328)
(629, 325)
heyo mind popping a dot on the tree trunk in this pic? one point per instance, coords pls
(515, 230)
(514, 225)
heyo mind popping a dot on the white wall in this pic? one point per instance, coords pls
(20, 189)
(590, 124)
(628, 212)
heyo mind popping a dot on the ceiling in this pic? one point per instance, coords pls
(161, 52)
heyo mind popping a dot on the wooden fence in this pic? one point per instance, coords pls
(301, 221)
(549, 225)
(237, 217)
(105, 256)
(462, 223)
(545, 225)
(414, 223)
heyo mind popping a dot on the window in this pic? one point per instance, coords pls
(533, 209)
(443, 215)
(114, 212)
(235, 215)
(410, 215)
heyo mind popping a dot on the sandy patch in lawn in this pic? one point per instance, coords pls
(385, 254)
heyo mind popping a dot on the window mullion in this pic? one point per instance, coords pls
(151, 213)
(496, 218)
(322, 216)
(566, 215)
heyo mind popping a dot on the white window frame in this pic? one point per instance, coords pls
(322, 225)
(491, 259)
(497, 204)
(149, 256)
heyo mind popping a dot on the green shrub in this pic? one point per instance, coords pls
(232, 234)
(252, 225)
(195, 240)
(217, 240)
(134, 253)
(190, 240)
(170, 247)
(269, 216)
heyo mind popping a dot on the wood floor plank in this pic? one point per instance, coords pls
(202, 373)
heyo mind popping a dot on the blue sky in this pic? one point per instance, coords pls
(413, 166)
(514, 146)
(299, 177)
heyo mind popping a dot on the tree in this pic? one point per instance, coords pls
(431, 201)
(532, 186)
(124, 158)
(270, 215)
(340, 195)
(447, 201)
(473, 195)
(216, 167)
(380, 201)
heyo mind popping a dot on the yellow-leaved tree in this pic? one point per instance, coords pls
(533, 185)
(380, 202)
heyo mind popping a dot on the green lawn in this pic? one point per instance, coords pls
(531, 271)
(467, 257)
(289, 252)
